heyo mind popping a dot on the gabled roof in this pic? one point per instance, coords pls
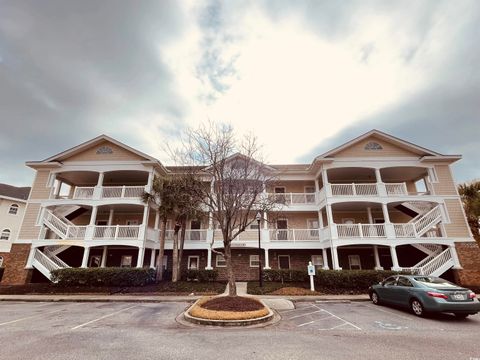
(384, 136)
(241, 156)
(13, 192)
(93, 142)
(90, 143)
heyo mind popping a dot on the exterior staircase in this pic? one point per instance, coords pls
(433, 265)
(47, 261)
(422, 224)
(62, 227)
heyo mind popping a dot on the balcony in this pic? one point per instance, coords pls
(368, 190)
(294, 235)
(105, 192)
(293, 199)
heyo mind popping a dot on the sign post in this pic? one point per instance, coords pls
(311, 273)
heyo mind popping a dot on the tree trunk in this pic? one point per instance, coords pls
(180, 248)
(175, 258)
(232, 287)
(161, 253)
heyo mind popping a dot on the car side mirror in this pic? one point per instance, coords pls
(380, 283)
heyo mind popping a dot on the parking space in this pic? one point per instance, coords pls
(61, 331)
(356, 316)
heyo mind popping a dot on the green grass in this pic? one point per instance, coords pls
(269, 287)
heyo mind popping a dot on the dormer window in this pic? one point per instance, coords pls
(373, 146)
(13, 209)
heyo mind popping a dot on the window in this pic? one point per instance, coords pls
(1, 261)
(317, 261)
(126, 261)
(354, 262)
(390, 281)
(5, 234)
(404, 282)
(220, 261)
(284, 262)
(280, 197)
(193, 263)
(95, 261)
(254, 261)
(312, 225)
(282, 229)
(373, 146)
(13, 209)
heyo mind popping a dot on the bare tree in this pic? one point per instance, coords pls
(236, 178)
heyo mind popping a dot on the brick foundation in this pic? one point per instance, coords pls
(14, 262)
(469, 257)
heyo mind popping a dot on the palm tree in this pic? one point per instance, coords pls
(470, 194)
(175, 198)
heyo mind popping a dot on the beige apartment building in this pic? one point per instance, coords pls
(13, 201)
(375, 202)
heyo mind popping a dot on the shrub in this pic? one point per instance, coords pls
(350, 279)
(201, 275)
(285, 275)
(110, 276)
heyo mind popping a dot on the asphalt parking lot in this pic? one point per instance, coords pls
(149, 331)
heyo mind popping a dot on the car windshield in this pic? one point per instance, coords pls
(435, 282)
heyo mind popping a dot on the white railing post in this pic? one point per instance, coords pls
(354, 190)
(360, 230)
(123, 192)
(117, 229)
(404, 188)
(453, 253)
(328, 190)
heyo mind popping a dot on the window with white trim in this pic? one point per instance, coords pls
(193, 262)
(126, 261)
(317, 261)
(354, 262)
(13, 210)
(254, 260)
(220, 261)
(5, 234)
(1, 261)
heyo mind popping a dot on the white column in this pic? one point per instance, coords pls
(100, 179)
(59, 187)
(143, 229)
(317, 185)
(209, 259)
(328, 192)
(104, 257)
(150, 180)
(325, 259)
(86, 252)
(320, 219)
(377, 258)
(52, 185)
(141, 255)
(369, 213)
(335, 263)
(93, 217)
(110, 218)
(152, 259)
(331, 224)
(71, 192)
(453, 252)
(386, 216)
(393, 254)
(267, 260)
(265, 220)
(378, 176)
(30, 258)
(382, 190)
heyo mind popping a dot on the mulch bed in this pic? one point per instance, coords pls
(296, 289)
(232, 303)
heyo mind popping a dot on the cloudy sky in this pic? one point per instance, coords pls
(303, 75)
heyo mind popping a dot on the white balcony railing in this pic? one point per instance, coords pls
(293, 198)
(108, 192)
(294, 235)
(354, 189)
(361, 230)
(117, 232)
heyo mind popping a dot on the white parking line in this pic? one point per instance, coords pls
(32, 317)
(339, 318)
(296, 309)
(298, 316)
(311, 322)
(307, 323)
(103, 317)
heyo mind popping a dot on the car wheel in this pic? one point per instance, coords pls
(461, 316)
(417, 307)
(375, 298)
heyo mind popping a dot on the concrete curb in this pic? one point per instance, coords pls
(239, 323)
